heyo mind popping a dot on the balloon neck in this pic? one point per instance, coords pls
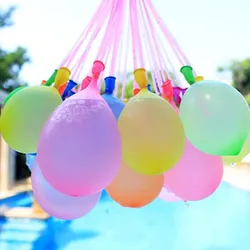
(167, 90)
(199, 78)
(136, 91)
(109, 85)
(71, 84)
(187, 72)
(144, 90)
(178, 94)
(93, 84)
(51, 79)
(141, 78)
(62, 76)
(149, 88)
(85, 82)
(97, 68)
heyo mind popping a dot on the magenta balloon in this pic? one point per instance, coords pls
(79, 151)
(58, 204)
(196, 176)
(167, 195)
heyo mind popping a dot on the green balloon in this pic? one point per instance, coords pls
(216, 118)
(25, 114)
(52, 78)
(12, 93)
(187, 72)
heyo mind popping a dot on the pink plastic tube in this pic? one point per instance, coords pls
(136, 32)
(176, 48)
(157, 49)
(150, 48)
(79, 65)
(109, 37)
(95, 19)
(108, 34)
(124, 79)
(118, 35)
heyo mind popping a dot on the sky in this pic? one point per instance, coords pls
(210, 32)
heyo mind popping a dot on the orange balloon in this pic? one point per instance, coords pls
(136, 91)
(131, 189)
(62, 88)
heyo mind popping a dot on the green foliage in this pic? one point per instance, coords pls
(247, 97)
(11, 62)
(240, 71)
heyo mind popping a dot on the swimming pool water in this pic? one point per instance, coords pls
(221, 222)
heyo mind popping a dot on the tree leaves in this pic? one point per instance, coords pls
(11, 63)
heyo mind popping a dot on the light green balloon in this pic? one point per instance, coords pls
(215, 117)
(13, 93)
(25, 114)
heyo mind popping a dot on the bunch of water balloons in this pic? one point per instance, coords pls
(79, 142)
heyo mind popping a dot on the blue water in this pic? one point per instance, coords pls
(221, 222)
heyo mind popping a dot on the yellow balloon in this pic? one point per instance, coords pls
(62, 76)
(227, 160)
(152, 134)
(25, 114)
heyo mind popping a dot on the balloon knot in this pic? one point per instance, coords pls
(141, 78)
(109, 85)
(168, 91)
(136, 91)
(97, 68)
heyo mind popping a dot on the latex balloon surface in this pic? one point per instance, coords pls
(152, 134)
(168, 196)
(196, 176)
(30, 160)
(13, 93)
(131, 189)
(115, 104)
(25, 114)
(79, 151)
(216, 118)
(58, 204)
(238, 158)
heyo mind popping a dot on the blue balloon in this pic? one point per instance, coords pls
(149, 88)
(115, 104)
(71, 84)
(30, 159)
(71, 93)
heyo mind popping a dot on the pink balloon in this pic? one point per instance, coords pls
(196, 176)
(58, 204)
(168, 195)
(85, 83)
(79, 150)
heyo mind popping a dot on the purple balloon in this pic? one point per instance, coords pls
(58, 204)
(79, 150)
(178, 93)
